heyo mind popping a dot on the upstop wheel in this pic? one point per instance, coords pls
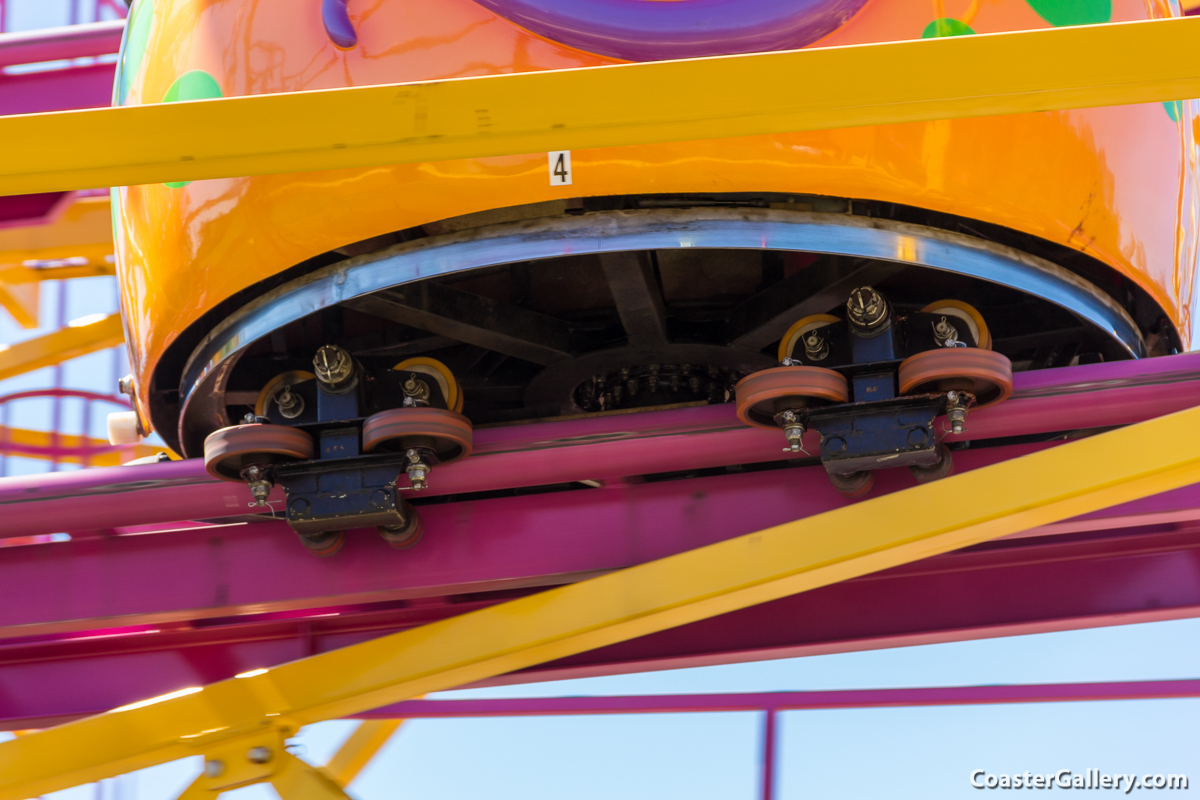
(762, 395)
(230, 450)
(856, 484)
(323, 544)
(983, 373)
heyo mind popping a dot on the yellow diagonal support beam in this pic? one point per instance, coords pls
(21, 301)
(704, 98)
(63, 344)
(1006, 498)
(358, 750)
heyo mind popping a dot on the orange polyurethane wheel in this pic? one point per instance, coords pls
(447, 433)
(230, 450)
(756, 393)
(984, 373)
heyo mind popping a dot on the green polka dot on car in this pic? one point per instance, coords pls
(946, 26)
(1061, 13)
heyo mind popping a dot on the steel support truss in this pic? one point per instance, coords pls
(611, 106)
(999, 500)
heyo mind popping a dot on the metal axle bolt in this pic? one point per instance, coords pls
(956, 412)
(867, 308)
(333, 365)
(418, 471)
(258, 755)
(291, 405)
(214, 768)
(816, 348)
(945, 334)
(260, 483)
(793, 431)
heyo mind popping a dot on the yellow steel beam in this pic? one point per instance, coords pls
(358, 750)
(1006, 498)
(15, 441)
(704, 98)
(63, 344)
(261, 757)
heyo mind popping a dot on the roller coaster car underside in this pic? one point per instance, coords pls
(800, 340)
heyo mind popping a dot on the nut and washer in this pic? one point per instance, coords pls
(333, 366)
(867, 309)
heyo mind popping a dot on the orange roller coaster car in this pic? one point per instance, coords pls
(613, 280)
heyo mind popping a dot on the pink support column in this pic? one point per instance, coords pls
(768, 756)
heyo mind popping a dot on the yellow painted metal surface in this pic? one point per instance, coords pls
(358, 750)
(610, 106)
(1115, 183)
(63, 344)
(998, 500)
(261, 757)
(16, 441)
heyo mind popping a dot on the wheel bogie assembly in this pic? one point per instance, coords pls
(874, 384)
(342, 456)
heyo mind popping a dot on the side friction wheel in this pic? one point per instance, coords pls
(441, 375)
(447, 433)
(983, 373)
(801, 327)
(968, 314)
(230, 450)
(763, 394)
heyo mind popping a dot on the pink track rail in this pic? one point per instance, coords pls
(608, 448)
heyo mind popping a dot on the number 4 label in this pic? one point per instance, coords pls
(560, 167)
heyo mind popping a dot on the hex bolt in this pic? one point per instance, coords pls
(125, 385)
(214, 768)
(258, 755)
(333, 366)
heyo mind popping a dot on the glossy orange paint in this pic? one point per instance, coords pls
(1116, 183)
